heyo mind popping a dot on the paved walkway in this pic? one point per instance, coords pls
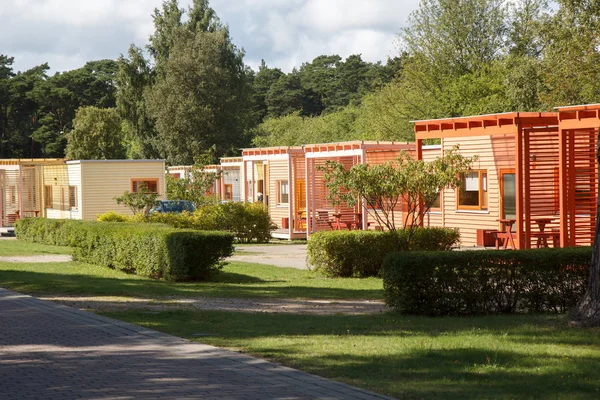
(284, 255)
(49, 351)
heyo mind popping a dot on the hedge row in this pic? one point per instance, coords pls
(151, 250)
(361, 253)
(248, 222)
(486, 282)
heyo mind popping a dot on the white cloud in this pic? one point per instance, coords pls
(286, 33)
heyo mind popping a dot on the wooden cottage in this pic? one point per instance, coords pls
(276, 176)
(227, 187)
(320, 213)
(230, 184)
(533, 184)
(79, 189)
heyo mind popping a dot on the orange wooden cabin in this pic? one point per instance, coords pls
(320, 213)
(534, 182)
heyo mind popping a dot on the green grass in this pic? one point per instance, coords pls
(12, 247)
(237, 279)
(500, 357)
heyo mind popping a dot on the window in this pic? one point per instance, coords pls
(473, 192)
(12, 195)
(48, 199)
(64, 198)
(283, 192)
(151, 185)
(228, 192)
(437, 203)
(72, 197)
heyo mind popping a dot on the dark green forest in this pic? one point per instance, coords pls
(188, 90)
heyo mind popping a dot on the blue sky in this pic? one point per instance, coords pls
(285, 33)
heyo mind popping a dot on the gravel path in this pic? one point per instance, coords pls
(285, 255)
(261, 305)
(292, 256)
(41, 258)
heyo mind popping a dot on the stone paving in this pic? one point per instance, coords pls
(50, 351)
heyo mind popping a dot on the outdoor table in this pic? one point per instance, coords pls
(507, 235)
(542, 237)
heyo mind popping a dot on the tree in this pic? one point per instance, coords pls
(202, 100)
(133, 78)
(97, 135)
(571, 57)
(6, 72)
(194, 187)
(295, 130)
(287, 96)
(587, 311)
(383, 187)
(138, 202)
(262, 82)
(191, 94)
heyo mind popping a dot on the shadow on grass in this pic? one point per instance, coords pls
(232, 277)
(406, 357)
(225, 284)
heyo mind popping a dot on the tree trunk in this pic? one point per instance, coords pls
(587, 312)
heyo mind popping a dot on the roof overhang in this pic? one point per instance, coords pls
(484, 125)
(579, 117)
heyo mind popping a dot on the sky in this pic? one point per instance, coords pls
(285, 33)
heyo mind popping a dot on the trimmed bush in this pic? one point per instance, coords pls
(361, 253)
(485, 282)
(248, 222)
(57, 232)
(151, 250)
(112, 216)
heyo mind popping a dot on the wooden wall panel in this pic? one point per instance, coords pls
(494, 153)
(278, 171)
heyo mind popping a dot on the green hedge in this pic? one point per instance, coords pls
(485, 282)
(361, 253)
(152, 250)
(248, 222)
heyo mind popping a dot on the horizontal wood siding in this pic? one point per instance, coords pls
(434, 218)
(299, 191)
(103, 181)
(494, 153)
(278, 171)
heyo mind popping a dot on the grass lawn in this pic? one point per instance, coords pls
(500, 357)
(13, 247)
(237, 279)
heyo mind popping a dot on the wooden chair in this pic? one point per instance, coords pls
(12, 218)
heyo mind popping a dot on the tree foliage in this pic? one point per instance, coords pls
(96, 135)
(295, 130)
(36, 110)
(138, 202)
(384, 187)
(192, 93)
(195, 188)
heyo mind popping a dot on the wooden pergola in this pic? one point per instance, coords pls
(578, 135)
(349, 154)
(534, 156)
(21, 187)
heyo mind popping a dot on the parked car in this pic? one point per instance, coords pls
(173, 206)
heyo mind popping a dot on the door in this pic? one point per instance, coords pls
(508, 195)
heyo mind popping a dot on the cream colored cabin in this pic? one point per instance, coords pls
(276, 176)
(80, 189)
